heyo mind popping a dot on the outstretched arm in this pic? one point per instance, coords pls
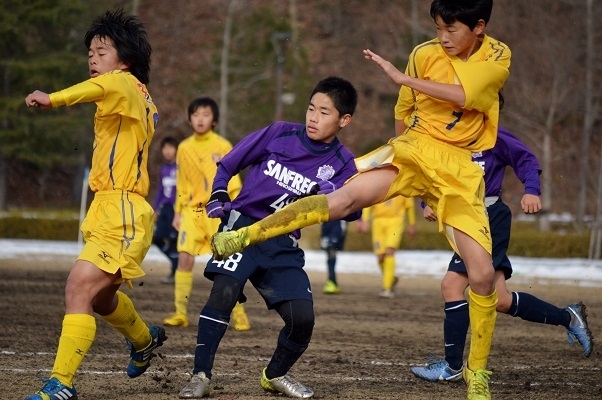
(443, 91)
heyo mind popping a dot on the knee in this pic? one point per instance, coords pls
(504, 301)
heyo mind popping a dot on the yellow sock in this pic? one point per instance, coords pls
(303, 212)
(126, 321)
(388, 268)
(182, 290)
(481, 310)
(77, 336)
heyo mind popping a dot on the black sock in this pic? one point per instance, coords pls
(455, 329)
(530, 308)
(212, 327)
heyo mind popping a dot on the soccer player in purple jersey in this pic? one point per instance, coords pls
(286, 161)
(508, 151)
(165, 236)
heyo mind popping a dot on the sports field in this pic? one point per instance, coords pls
(362, 348)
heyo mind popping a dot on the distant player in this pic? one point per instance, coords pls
(285, 161)
(388, 220)
(332, 239)
(165, 236)
(508, 151)
(196, 161)
(118, 227)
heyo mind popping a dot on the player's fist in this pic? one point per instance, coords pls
(38, 99)
(324, 187)
(219, 203)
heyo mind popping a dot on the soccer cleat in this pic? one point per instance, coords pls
(331, 288)
(197, 388)
(224, 244)
(478, 383)
(140, 359)
(240, 321)
(286, 385)
(437, 369)
(176, 320)
(578, 330)
(387, 294)
(54, 390)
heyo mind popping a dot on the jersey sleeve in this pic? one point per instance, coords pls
(84, 92)
(482, 80)
(513, 152)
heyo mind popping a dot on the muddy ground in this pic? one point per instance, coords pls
(362, 348)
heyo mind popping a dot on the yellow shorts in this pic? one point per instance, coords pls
(386, 233)
(118, 231)
(443, 175)
(195, 232)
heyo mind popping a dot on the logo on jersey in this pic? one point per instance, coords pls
(288, 179)
(325, 172)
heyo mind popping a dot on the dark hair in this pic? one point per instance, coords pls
(341, 92)
(204, 102)
(169, 140)
(468, 12)
(129, 38)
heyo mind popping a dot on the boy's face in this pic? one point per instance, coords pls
(457, 39)
(169, 152)
(202, 120)
(322, 119)
(102, 57)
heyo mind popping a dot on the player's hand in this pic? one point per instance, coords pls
(176, 221)
(393, 73)
(361, 226)
(325, 187)
(38, 99)
(531, 204)
(412, 230)
(219, 203)
(429, 214)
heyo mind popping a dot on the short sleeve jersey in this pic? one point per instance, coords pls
(482, 76)
(196, 161)
(124, 125)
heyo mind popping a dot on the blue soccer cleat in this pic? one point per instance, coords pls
(140, 359)
(437, 370)
(578, 330)
(54, 390)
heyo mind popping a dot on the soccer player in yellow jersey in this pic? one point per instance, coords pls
(196, 162)
(118, 227)
(448, 107)
(387, 221)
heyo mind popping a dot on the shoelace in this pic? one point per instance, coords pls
(292, 384)
(479, 384)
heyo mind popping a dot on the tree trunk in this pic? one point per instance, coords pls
(588, 117)
(224, 68)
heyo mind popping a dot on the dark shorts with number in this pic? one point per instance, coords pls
(500, 221)
(274, 267)
(333, 235)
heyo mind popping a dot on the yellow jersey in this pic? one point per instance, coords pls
(196, 162)
(124, 125)
(482, 76)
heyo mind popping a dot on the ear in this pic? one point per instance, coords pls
(344, 120)
(124, 67)
(479, 28)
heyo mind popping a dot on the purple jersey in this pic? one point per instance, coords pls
(166, 192)
(284, 164)
(509, 151)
